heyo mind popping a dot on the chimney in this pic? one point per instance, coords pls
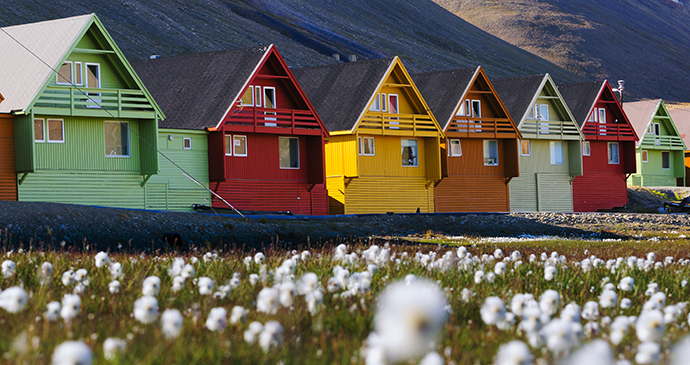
(352, 58)
(336, 56)
(154, 56)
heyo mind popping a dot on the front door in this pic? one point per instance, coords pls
(270, 103)
(93, 81)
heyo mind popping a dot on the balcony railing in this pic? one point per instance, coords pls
(398, 124)
(549, 129)
(608, 131)
(96, 102)
(253, 119)
(651, 141)
(482, 128)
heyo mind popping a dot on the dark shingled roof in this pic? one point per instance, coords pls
(443, 90)
(195, 91)
(580, 98)
(517, 93)
(340, 92)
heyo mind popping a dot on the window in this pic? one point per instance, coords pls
(602, 115)
(376, 105)
(586, 148)
(383, 103)
(409, 152)
(541, 111)
(39, 130)
(593, 116)
(239, 146)
(455, 148)
(187, 143)
(257, 100)
(393, 109)
(525, 148)
(228, 145)
(289, 152)
(650, 129)
(557, 153)
(78, 74)
(116, 139)
(476, 109)
(248, 97)
(93, 80)
(665, 160)
(56, 131)
(64, 75)
(657, 129)
(366, 146)
(491, 153)
(464, 108)
(270, 103)
(645, 156)
(614, 156)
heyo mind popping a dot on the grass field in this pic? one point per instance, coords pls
(336, 329)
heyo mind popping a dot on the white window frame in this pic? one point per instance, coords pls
(593, 116)
(251, 91)
(529, 147)
(43, 125)
(602, 116)
(129, 144)
(608, 153)
(227, 139)
(541, 117)
(275, 106)
(298, 156)
(486, 144)
(361, 146)
(650, 128)
(669, 160)
(552, 146)
(258, 101)
(588, 149)
(184, 143)
(644, 156)
(78, 73)
(450, 147)
(246, 148)
(384, 105)
(93, 100)
(464, 107)
(376, 103)
(397, 110)
(657, 129)
(71, 74)
(46, 133)
(416, 158)
(479, 109)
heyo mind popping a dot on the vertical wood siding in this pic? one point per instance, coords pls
(342, 156)
(472, 193)
(651, 173)
(539, 159)
(103, 188)
(263, 160)
(472, 160)
(388, 159)
(543, 192)
(8, 176)
(336, 195)
(523, 193)
(273, 196)
(602, 186)
(388, 194)
(24, 151)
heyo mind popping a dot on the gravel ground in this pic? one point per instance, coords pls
(73, 226)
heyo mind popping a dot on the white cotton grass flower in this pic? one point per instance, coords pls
(80, 275)
(513, 353)
(116, 271)
(72, 353)
(650, 326)
(314, 301)
(608, 299)
(408, 319)
(101, 259)
(268, 301)
(13, 299)
(176, 268)
(178, 283)
(46, 273)
(625, 303)
(253, 331)
(500, 268)
(52, 312)
(114, 287)
(217, 319)
(171, 323)
(146, 309)
(648, 353)
(681, 352)
(531, 320)
(205, 285)
(598, 352)
(571, 312)
(271, 336)
(71, 304)
(238, 315)
(549, 272)
(493, 310)
(432, 358)
(478, 276)
(518, 303)
(287, 294)
(187, 271)
(559, 335)
(253, 279)
(549, 302)
(151, 286)
(590, 312)
(112, 347)
(259, 258)
(68, 278)
(308, 283)
(619, 327)
(222, 292)
(8, 268)
(626, 284)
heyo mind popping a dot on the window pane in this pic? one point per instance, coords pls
(524, 148)
(368, 146)
(657, 129)
(585, 149)
(270, 98)
(602, 115)
(77, 73)
(240, 145)
(187, 143)
(376, 105)
(409, 152)
(490, 153)
(665, 160)
(455, 148)
(228, 145)
(248, 96)
(116, 139)
(64, 75)
(645, 156)
(544, 111)
(55, 132)
(93, 76)
(359, 145)
(289, 152)
(557, 153)
(393, 105)
(257, 100)
(476, 109)
(38, 130)
(613, 153)
(461, 111)
(383, 102)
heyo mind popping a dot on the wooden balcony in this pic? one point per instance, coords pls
(481, 128)
(105, 103)
(548, 129)
(268, 120)
(654, 142)
(386, 124)
(608, 131)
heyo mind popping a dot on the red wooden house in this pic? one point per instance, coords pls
(608, 152)
(265, 141)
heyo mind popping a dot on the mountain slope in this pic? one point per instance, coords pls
(307, 32)
(645, 42)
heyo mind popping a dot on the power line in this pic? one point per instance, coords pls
(126, 125)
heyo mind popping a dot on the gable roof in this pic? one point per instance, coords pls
(196, 91)
(443, 90)
(581, 98)
(641, 113)
(519, 93)
(681, 118)
(341, 92)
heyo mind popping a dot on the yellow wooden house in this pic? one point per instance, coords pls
(384, 151)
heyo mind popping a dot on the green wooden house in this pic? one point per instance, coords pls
(85, 127)
(660, 150)
(550, 148)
